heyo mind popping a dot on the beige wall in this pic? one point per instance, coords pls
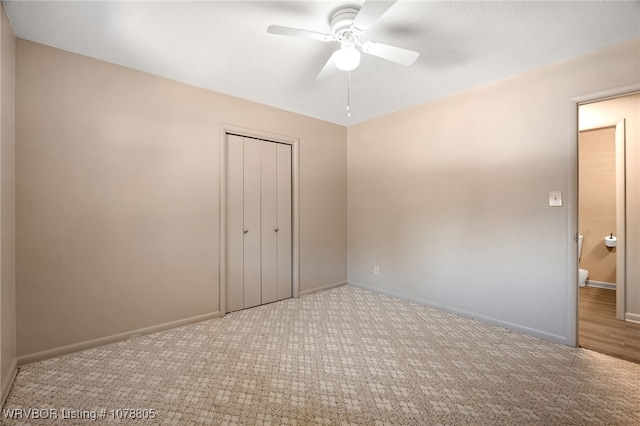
(117, 192)
(117, 196)
(597, 198)
(608, 113)
(450, 198)
(7, 206)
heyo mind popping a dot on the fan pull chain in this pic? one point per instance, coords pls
(348, 93)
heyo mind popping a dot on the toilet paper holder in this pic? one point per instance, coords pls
(610, 241)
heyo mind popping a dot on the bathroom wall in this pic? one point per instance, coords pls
(597, 198)
(609, 113)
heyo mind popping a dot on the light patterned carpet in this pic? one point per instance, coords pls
(344, 356)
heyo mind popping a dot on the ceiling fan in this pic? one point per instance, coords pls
(348, 24)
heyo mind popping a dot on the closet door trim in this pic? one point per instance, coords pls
(228, 129)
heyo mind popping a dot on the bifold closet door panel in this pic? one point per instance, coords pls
(259, 216)
(284, 221)
(235, 224)
(268, 206)
(252, 248)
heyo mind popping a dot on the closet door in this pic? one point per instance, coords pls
(252, 223)
(235, 224)
(258, 222)
(284, 220)
(269, 213)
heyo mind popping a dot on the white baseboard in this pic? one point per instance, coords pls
(600, 284)
(515, 327)
(8, 381)
(632, 317)
(324, 287)
(89, 344)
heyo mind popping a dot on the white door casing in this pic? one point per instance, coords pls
(572, 199)
(266, 175)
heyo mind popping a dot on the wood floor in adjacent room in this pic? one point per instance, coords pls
(599, 329)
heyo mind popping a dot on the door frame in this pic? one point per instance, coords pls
(621, 206)
(572, 198)
(295, 204)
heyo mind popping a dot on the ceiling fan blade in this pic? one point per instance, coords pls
(370, 12)
(329, 68)
(295, 32)
(395, 54)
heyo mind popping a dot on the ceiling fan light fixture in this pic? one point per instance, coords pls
(347, 58)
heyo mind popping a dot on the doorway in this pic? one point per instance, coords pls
(606, 172)
(259, 218)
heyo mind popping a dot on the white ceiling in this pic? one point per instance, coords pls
(224, 46)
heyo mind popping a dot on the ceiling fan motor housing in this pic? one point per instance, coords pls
(342, 21)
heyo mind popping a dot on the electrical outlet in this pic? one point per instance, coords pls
(376, 270)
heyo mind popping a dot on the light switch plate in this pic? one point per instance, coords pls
(555, 198)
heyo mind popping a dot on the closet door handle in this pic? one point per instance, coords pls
(245, 230)
(275, 229)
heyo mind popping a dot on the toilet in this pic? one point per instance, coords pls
(583, 274)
